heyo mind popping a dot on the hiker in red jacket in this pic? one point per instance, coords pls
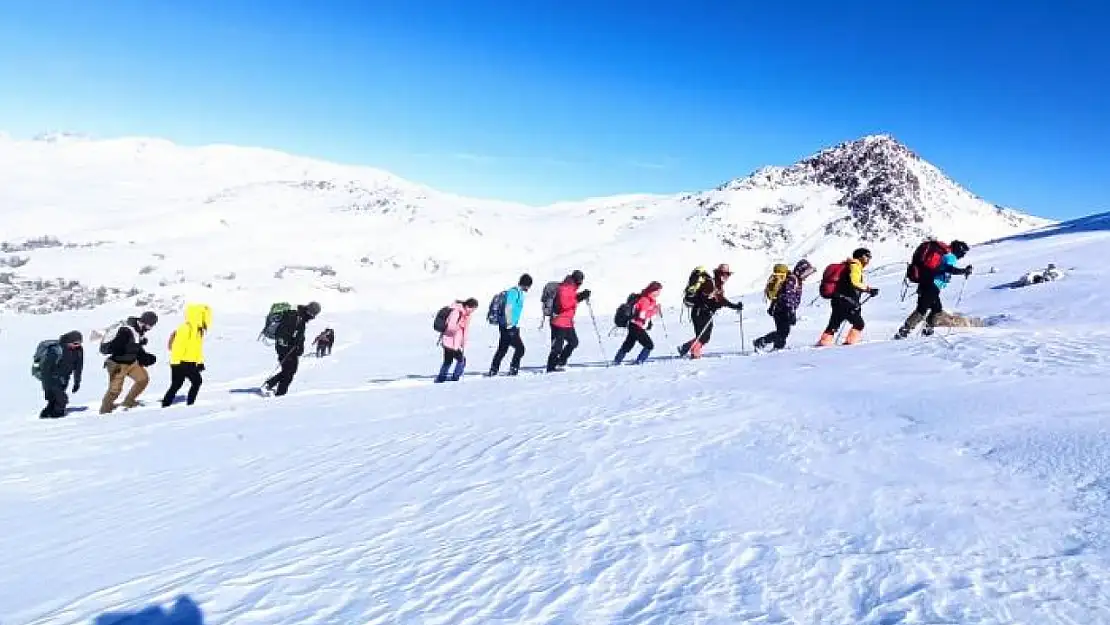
(646, 307)
(563, 337)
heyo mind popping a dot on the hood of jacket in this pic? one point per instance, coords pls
(199, 316)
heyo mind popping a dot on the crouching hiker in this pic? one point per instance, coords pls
(55, 362)
(646, 307)
(186, 347)
(455, 326)
(127, 358)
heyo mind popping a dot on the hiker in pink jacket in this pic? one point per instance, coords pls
(454, 339)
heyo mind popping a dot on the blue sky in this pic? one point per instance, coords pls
(543, 101)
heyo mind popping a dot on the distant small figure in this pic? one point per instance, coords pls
(1048, 274)
(455, 328)
(55, 363)
(324, 342)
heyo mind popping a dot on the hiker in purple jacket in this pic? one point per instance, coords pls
(784, 309)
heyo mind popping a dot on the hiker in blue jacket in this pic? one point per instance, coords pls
(509, 327)
(930, 286)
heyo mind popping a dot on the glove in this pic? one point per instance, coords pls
(793, 318)
(872, 292)
(200, 367)
(76, 387)
(585, 294)
(739, 306)
(967, 270)
(143, 341)
(649, 325)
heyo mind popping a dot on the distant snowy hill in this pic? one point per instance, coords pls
(93, 221)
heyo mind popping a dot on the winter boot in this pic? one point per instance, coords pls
(853, 337)
(827, 338)
(619, 357)
(643, 356)
(910, 323)
(695, 350)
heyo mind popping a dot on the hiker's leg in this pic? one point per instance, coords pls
(288, 371)
(518, 352)
(195, 380)
(139, 381)
(626, 345)
(177, 379)
(504, 338)
(116, 375)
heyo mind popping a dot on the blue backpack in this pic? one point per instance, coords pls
(496, 313)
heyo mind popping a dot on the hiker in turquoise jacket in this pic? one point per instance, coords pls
(509, 328)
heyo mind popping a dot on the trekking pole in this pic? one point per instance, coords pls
(960, 297)
(600, 344)
(743, 343)
(663, 321)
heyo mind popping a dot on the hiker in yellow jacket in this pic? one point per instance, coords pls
(187, 353)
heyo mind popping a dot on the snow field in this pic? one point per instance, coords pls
(921, 481)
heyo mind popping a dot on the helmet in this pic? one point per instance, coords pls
(959, 248)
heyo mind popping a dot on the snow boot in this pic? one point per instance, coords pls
(827, 338)
(853, 337)
(643, 356)
(908, 326)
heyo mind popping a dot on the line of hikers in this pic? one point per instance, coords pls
(931, 268)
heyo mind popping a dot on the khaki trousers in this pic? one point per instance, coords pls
(117, 374)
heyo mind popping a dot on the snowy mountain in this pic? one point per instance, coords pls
(143, 220)
(961, 479)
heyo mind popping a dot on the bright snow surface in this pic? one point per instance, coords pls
(945, 480)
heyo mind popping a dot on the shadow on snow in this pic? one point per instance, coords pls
(184, 611)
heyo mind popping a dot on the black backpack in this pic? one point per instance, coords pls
(547, 298)
(625, 311)
(439, 324)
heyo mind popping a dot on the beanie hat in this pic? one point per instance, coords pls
(149, 318)
(313, 309)
(959, 248)
(71, 337)
(577, 277)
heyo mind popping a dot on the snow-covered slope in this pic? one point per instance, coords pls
(960, 479)
(241, 227)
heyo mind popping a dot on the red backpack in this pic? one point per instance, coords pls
(926, 259)
(830, 280)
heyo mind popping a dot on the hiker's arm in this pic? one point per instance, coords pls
(78, 368)
(855, 275)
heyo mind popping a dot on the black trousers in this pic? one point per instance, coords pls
(702, 318)
(782, 330)
(510, 337)
(289, 360)
(178, 374)
(928, 301)
(563, 343)
(56, 402)
(636, 334)
(844, 309)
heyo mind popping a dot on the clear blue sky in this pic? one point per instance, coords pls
(564, 99)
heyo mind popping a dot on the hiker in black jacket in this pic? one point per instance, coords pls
(127, 358)
(289, 344)
(62, 360)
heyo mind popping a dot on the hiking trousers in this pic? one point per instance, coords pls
(563, 343)
(178, 374)
(702, 318)
(510, 337)
(783, 322)
(636, 334)
(844, 309)
(117, 375)
(928, 307)
(56, 402)
(289, 361)
(451, 356)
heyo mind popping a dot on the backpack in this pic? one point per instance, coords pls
(496, 313)
(926, 259)
(110, 335)
(273, 319)
(40, 353)
(547, 298)
(625, 312)
(694, 283)
(775, 281)
(830, 280)
(439, 324)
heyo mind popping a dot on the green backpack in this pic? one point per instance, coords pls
(273, 319)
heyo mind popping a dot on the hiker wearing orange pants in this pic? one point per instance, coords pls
(846, 300)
